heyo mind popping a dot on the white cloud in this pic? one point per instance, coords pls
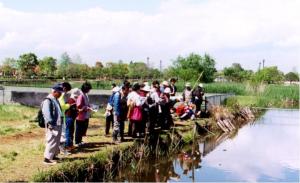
(248, 28)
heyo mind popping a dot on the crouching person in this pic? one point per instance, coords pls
(53, 117)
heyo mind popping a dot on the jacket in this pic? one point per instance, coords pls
(52, 116)
(82, 104)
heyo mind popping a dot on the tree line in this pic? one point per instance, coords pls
(29, 66)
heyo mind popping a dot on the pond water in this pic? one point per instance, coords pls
(265, 150)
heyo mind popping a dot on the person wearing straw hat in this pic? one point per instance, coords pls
(187, 93)
(165, 117)
(71, 115)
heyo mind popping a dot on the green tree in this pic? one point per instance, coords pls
(138, 70)
(48, 66)
(117, 70)
(189, 68)
(236, 73)
(9, 67)
(291, 76)
(64, 64)
(27, 64)
(268, 75)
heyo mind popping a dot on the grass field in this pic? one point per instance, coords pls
(22, 142)
(15, 119)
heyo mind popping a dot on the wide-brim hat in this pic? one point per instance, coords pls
(146, 88)
(115, 89)
(167, 90)
(165, 83)
(187, 84)
(75, 92)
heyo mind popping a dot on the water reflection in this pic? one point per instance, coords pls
(267, 150)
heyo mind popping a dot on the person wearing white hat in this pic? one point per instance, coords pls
(187, 93)
(71, 115)
(120, 110)
(165, 118)
(163, 86)
(109, 121)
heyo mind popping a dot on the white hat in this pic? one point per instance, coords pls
(115, 89)
(75, 92)
(146, 83)
(165, 83)
(187, 84)
(146, 88)
(201, 85)
(167, 90)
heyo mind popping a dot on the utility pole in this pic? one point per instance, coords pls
(148, 62)
(259, 66)
(160, 66)
(263, 63)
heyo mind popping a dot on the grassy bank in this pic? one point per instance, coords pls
(21, 149)
(277, 96)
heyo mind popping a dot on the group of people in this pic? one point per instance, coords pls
(146, 107)
(60, 113)
(149, 107)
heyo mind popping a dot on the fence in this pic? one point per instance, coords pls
(216, 99)
(2, 93)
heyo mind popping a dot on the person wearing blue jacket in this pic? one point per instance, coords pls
(119, 104)
(53, 118)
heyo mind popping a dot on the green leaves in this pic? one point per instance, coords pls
(188, 68)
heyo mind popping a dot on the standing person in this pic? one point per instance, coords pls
(187, 93)
(144, 94)
(166, 119)
(53, 118)
(154, 107)
(197, 98)
(164, 85)
(173, 87)
(120, 110)
(109, 118)
(71, 115)
(84, 109)
(135, 110)
(64, 106)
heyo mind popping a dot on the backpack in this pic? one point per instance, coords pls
(40, 117)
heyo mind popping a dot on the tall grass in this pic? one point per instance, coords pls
(280, 96)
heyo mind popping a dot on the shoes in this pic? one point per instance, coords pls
(55, 158)
(116, 142)
(79, 144)
(49, 162)
(67, 153)
(70, 148)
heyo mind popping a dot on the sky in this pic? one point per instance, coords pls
(230, 31)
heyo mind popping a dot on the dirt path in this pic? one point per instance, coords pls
(24, 152)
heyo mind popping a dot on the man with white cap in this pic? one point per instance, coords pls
(53, 118)
(197, 97)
